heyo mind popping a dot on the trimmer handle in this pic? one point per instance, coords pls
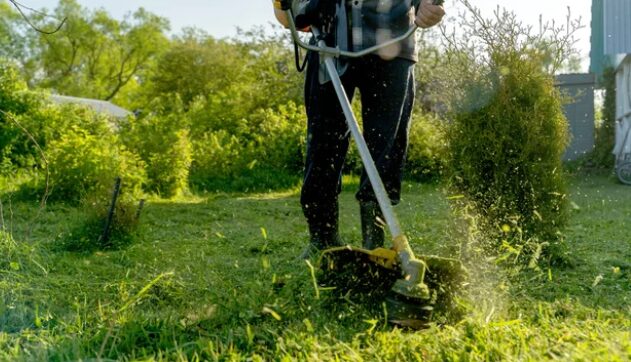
(337, 52)
(283, 4)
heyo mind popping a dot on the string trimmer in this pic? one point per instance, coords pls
(414, 284)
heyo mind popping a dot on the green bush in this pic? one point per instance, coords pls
(217, 154)
(84, 153)
(16, 103)
(606, 134)
(427, 149)
(82, 164)
(279, 137)
(505, 157)
(163, 144)
(267, 149)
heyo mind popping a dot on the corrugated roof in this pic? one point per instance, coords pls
(617, 16)
(96, 104)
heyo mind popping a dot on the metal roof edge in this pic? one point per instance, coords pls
(575, 79)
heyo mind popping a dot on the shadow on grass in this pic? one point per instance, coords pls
(238, 289)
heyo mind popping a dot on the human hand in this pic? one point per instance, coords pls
(429, 14)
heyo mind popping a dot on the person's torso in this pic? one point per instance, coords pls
(373, 22)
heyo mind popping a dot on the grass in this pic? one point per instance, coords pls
(215, 277)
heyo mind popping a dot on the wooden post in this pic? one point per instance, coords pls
(110, 215)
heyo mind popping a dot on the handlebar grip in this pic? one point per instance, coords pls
(282, 4)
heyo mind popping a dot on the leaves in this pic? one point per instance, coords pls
(507, 137)
(94, 55)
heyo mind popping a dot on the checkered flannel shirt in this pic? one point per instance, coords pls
(376, 21)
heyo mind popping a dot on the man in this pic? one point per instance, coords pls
(386, 84)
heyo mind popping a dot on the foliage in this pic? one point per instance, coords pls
(81, 150)
(203, 101)
(16, 102)
(93, 55)
(84, 164)
(606, 133)
(279, 136)
(233, 77)
(13, 41)
(507, 139)
(427, 151)
(271, 139)
(219, 89)
(163, 143)
(197, 65)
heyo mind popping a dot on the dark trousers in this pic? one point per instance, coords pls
(387, 98)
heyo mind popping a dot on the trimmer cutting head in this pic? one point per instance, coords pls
(359, 271)
(377, 274)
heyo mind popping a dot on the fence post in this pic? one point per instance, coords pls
(110, 215)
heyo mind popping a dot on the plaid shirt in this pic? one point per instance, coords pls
(375, 21)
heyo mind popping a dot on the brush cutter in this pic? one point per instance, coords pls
(413, 284)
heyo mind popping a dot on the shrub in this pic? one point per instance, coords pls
(266, 149)
(427, 149)
(605, 134)
(506, 156)
(83, 164)
(16, 103)
(29, 119)
(217, 154)
(163, 144)
(508, 131)
(278, 136)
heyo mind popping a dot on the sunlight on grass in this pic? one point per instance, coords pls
(271, 195)
(216, 277)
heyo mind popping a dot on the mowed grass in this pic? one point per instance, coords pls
(215, 277)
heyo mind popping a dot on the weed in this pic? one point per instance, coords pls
(89, 233)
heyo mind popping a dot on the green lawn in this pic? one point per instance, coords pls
(216, 278)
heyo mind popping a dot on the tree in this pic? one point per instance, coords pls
(13, 42)
(196, 65)
(223, 82)
(94, 55)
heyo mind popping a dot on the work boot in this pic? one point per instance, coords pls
(320, 240)
(372, 229)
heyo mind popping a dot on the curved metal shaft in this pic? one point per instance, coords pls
(364, 152)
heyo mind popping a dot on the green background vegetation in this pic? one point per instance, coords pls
(216, 146)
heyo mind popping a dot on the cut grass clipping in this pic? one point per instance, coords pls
(202, 282)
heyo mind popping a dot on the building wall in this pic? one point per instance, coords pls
(579, 112)
(617, 26)
(622, 149)
(598, 60)
(623, 89)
